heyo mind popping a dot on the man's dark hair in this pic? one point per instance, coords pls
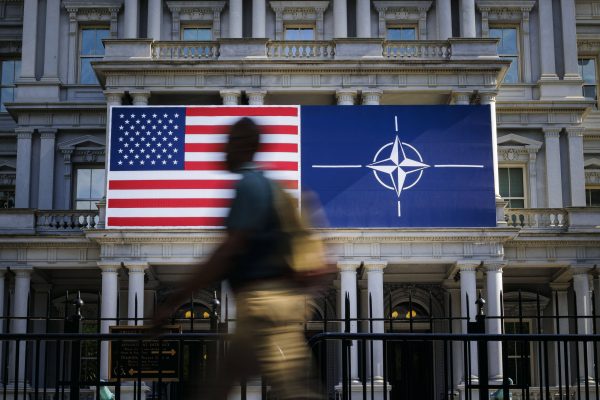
(245, 134)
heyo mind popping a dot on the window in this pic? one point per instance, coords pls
(299, 33)
(587, 70)
(7, 197)
(401, 33)
(90, 49)
(508, 49)
(518, 354)
(11, 70)
(89, 187)
(592, 197)
(512, 186)
(196, 33)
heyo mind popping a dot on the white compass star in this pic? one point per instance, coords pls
(398, 166)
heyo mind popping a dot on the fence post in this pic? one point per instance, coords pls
(478, 327)
(73, 325)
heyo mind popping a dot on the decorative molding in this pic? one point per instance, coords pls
(208, 12)
(592, 176)
(97, 11)
(298, 12)
(588, 45)
(10, 47)
(405, 12)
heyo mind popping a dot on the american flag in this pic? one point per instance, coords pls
(166, 167)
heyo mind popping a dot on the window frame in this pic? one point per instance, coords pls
(525, 184)
(206, 26)
(532, 353)
(15, 60)
(7, 189)
(299, 26)
(596, 77)
(414, 27)
(81, 56)
(75, 199)
(590, 187)
(518, 55)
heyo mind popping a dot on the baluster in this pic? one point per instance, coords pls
(561, 218)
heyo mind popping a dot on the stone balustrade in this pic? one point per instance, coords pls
(437, 50)
(313, 49)
(185, 50)
(65, 221)
(537, 218)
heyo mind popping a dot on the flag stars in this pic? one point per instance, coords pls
(120, 162)
(153, 150)
(131, 150)
(131, 162)
(121, 127)
(143, 115)
(175, 150)
(142, 162)
(165, 115)
(164, 162)
(144, 127)
(152, 162)
(132, 115)
(122, 115)
(120, 151)
(137, 121)
(174, 162)
(137, 145)
(126, 145)
(126, 122)
(120, 139)
(125, 156)
(176, 115)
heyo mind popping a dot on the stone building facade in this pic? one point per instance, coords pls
(535, 62)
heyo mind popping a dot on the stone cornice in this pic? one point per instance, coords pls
(506, 9)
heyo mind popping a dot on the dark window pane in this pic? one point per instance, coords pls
(516, 182)
(509, 41)
(589, 91)
(306, 34)
(8, 72)
(204, 34)
(84, 179)
(588, 70)
(87, 74)
(593, 197)
(409, 34)
(6, 96)
(512, 75)
(516, 203)
(97, 185)
(503, 178)
(100, 35)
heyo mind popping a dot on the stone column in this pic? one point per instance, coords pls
(548, 63)
(230, 97)
(340, 19)
(363, 18)
(443, 12)
(468, 311)
(348, 287)
(375, 287)
(51, 43)
(576, 167)
(2, 315)
(581, 287)
(46, 178)
(553, 169)
(236, 11)
(467, 18)
(140, 97)
(108, 311)
(562, 304)
(371, 97)
(29, 43)
(569, 36)
(19, 323)
(259, 13)
(23, 174)
(135, 293)
(256, 97)
(131, 19)
(345, 97)
(457, 347)
(532, 171)
(155, 13)
(494, 322)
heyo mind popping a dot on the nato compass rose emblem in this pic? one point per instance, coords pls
(398, 166)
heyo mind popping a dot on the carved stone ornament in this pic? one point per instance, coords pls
(207, 13)
(97, 11)
(403, 13)
(307, 12)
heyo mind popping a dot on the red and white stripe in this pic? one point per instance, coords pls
(200, 195)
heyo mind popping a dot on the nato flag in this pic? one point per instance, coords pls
(400, 166)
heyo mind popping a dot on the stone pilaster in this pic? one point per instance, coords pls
(443, 12)
(46, 174)
(259, 13)
(468, 309)
(155, 12)
(131, 19)
(29, 47)
(553, 168)
(19, 323)
(576, 166)
(581, 287)
(23, 174)
(363, 18)
(467, 18)
(340, 19)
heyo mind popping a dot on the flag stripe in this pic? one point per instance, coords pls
(191, 175)
(216, 166)
(258, 157)
(168, 203)
(171, 194)
(228, 121)
(263, 148)
(184, 184)
(222, 138)
(243, 111)
(165, 222)
(224, 129)
(217, 212)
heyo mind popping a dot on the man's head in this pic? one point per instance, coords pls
(243, 142)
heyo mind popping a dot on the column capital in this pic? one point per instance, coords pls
(467, 265)
(462, 98)
(560, 286)
(375, 265)
(346, 97)
(348, 265)
(136, 266)
(256, 97)
(581, 269)
(113, 97)
(47, 133)
(371, 97)
(494, 266)
(22, 272)
(108, 266)
(487, 97)
(550, 132)
(230, 97)
(24, 132)
(575, 131)
(140, 97)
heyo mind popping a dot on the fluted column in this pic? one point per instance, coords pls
(108, 310)
(236, 11)
(371, 97)
(230, 97)
(547, 60)
(576, 166)
(553, 168)
(494, 321)
(444, 19)
(348, 288)
(46, 174)
(23, 174)
(140, 97)
(569, 35)
(29, 43)
(468, 309)
(345, 97)
(131, 19)
(375, 286)
(467, 18)
(560, 309)
(135, 293)
(581, 287)
(51, 43)
(259, 13)
(340, 19)
(155, 13)
(363, 18)
(19, 323)
(256, 97)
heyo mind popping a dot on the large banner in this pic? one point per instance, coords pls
(370, 167)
